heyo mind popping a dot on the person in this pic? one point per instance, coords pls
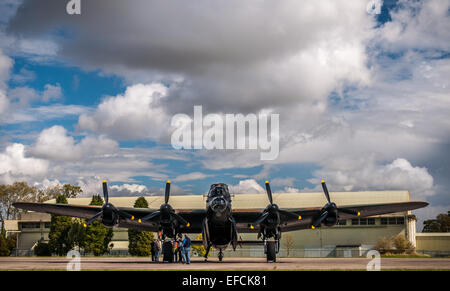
(187, 249)
(153, 250)
(181, 256)
(175, 250)
(158, 247)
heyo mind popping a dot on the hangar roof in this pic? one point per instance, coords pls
(245, 201)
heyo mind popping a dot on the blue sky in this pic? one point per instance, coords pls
(362, 97)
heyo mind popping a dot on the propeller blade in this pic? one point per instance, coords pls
(93, 218)
(151, 215)
(269, 192)
(325, 190)
(180, 219)
(319, 220)
(125, 214)
(349, 211)
(289, 214)
(105, 191)
(260, 219)
(166, 197)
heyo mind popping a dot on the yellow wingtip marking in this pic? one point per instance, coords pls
(168, 181)
(84, 225)
(104, 181)
(312, 226)
(139, 220)
(267, 182)
(359, 213)
(132, 217)
(323, 181)
(188, 224)
(252, 227)
(299, 217)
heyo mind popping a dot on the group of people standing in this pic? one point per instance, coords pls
(177, 250)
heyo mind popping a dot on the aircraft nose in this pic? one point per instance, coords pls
(219, 204)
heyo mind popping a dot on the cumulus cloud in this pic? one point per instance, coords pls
(366, 174)
(246, 186)
(137, 114)
(129, 190)
(16, 166)
(54, 143)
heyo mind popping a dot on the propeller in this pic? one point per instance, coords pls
(108, 210)
(273, 209)
(330, 209)
(165, 210)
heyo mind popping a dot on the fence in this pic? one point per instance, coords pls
(259, 252)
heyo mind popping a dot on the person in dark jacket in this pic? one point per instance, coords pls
(187, 249)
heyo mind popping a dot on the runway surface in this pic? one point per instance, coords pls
(133, 263)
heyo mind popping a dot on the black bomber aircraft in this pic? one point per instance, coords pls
(219, 223)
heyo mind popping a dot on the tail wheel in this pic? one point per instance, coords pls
(271, 252)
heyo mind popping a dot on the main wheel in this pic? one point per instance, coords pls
(271, 252)
(220, 256)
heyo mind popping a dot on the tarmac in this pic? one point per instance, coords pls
(232, 263)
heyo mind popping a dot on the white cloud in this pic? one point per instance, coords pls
(191, 176)
(351, 174)
(128, 190)
(249, 186)
(54, 143)
(51, 92)
(137, 114)
(15, 166)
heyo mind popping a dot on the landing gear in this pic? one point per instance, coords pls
(271, 249)
(220, 255)
(207, 252)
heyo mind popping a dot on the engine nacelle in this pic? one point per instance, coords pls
(109, 217)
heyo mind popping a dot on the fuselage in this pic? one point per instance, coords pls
(219, 218)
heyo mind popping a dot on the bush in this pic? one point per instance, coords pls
(42, 250)
(383, 245)
(402, 244)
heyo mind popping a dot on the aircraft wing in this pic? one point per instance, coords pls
(245, 217)
(194, 217)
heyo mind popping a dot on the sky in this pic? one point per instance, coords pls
(363, 96)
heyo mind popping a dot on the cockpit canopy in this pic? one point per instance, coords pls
(219, 189)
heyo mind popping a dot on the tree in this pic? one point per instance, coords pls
(76, 233)
(440, 224)
(59, 242)
(288, 242)
(19, 191)
(71, 191)
(97, 237)
(7, 244)
(139, 242)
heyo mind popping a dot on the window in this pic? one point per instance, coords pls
(47, 225)
(400, 220)
(392, 220)
(371, 221)
(30, 225)
(363, 221)
(342, 222)
(355, 221)
(384, 221)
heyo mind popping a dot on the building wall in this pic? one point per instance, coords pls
(433, 242)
